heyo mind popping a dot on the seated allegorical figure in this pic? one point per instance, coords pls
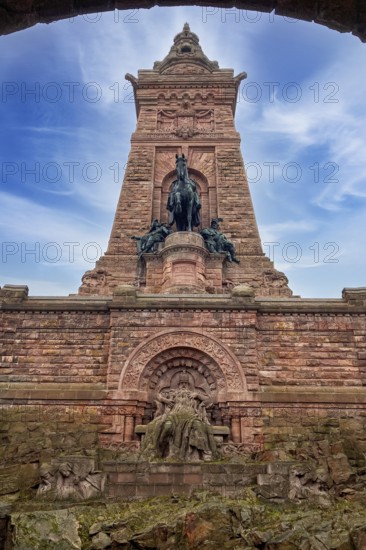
(180, 429)
(150, 241)
(217, 242)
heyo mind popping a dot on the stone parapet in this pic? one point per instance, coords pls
(152, 479)
(355, 296)
(11, 294)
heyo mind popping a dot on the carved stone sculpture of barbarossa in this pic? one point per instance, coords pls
(180, 429)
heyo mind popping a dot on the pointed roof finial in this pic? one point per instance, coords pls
(186, 47)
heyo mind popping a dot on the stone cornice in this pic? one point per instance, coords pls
(219, 137)
(52, 392)
(201, 302)
(312, 395)
(186, 82)
(173, 85)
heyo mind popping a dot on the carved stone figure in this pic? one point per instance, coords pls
(94, 278)
(68, 481)
(217, 242)
(180, 429)
(183, 202)
(47, 477)
(275, 279)
(150, 241)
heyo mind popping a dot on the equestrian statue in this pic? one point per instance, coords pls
(183, 203)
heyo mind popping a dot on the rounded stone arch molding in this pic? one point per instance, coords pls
(344, 17)
(233, 384)
(194, 174)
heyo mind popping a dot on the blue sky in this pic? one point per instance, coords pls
(63, 147)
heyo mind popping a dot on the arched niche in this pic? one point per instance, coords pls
(207, 195)
(346, 16)
(216, 366)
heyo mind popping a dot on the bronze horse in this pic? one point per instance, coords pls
(183, 202)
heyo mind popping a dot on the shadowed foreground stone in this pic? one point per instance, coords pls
(202, 522)
(342, 15)
(45, 529)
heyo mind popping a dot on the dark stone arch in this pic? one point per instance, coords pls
(343, 16)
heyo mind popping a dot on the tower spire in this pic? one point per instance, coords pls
(186, 47)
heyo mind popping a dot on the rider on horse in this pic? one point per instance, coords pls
(184, 194)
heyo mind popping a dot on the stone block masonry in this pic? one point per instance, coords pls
(298, 364)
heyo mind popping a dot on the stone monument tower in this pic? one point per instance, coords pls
(184, 342)
(185, 106)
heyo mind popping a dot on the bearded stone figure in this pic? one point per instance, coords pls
(180, 429)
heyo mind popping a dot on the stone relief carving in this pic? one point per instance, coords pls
(162, 369)
(94, 278)
(70, 480)
(186, 122)
(139, 359)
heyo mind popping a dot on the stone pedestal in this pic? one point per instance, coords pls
(144, 479)
(184, 256)
(183, 265)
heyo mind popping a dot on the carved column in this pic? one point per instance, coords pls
(235, 429)
(129, 428)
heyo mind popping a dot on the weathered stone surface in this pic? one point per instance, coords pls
(13, 293)
(101, 541)
(125, 290)
(202, 521)
(47, 530)
(358, 537)
(339, 467)
(242, 291)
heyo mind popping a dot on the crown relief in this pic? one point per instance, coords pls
(186, 122)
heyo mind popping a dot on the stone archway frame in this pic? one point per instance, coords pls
(346, 16)
(220, 354)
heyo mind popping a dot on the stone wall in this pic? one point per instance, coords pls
(128, 480)
(270, 363)
(286, 377)
(54, 347)
(311, 349)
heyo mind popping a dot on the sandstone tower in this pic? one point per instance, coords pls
(185, 105)
(280, 378)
